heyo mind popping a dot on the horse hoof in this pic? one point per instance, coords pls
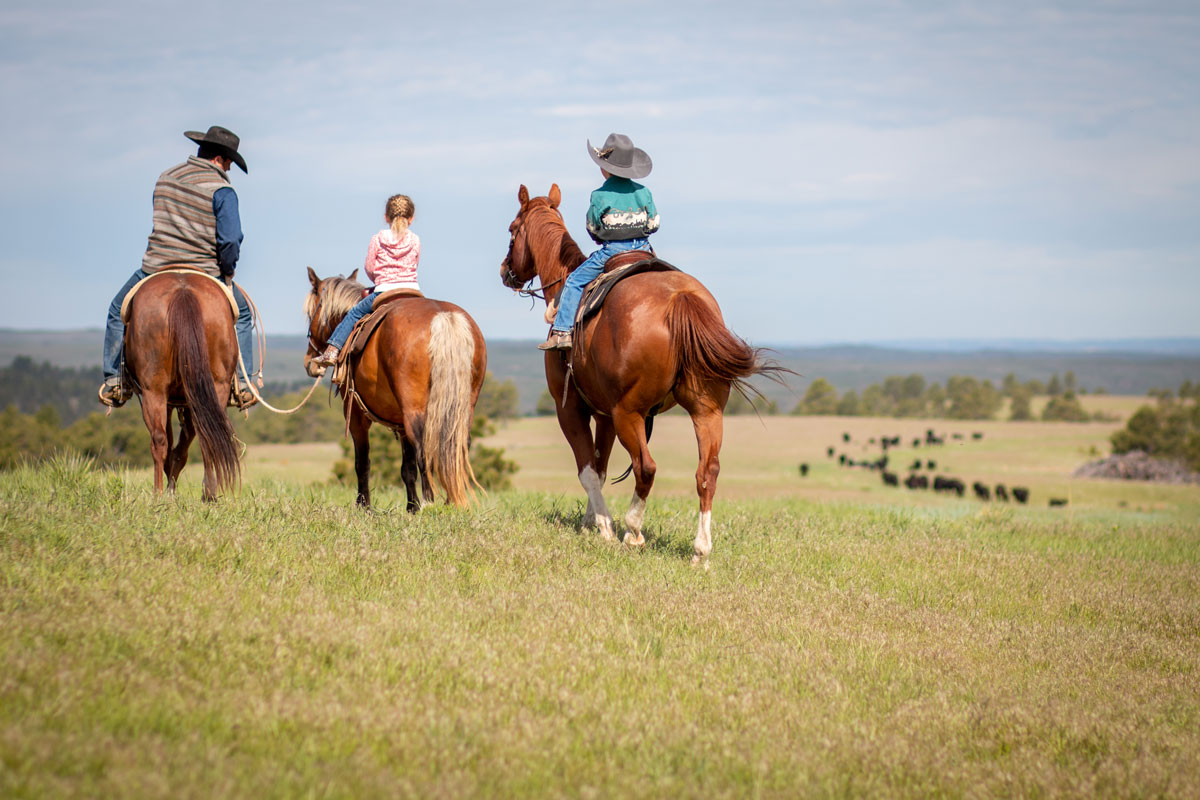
(634, 539)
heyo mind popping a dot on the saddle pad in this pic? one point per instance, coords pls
(595, 292)
(129, 297)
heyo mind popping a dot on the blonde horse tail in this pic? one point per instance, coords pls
(446, 439)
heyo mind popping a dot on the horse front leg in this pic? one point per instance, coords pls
(154, 414)
(631, 430)
(573, 420)
(178, 454)
(601, 451)
(360, 428)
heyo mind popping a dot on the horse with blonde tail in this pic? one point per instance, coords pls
(419, 373)
(659, 339)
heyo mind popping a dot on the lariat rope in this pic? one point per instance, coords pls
(262, 351)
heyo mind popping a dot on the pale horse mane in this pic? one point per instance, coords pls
(338, 296)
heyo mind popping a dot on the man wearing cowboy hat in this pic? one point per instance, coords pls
(196, 224)
(621, 217)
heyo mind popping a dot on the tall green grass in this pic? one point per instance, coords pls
(281, 643)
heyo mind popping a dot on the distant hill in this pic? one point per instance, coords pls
(1116, 366)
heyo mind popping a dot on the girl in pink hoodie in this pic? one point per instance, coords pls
(392, 258)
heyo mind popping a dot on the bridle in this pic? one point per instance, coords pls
(513, 281)
(313, 346)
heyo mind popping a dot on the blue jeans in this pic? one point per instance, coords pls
(585, 273)
(114, 331)
(342, 332)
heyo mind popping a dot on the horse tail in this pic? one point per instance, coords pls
(709, 351)
(185, 331)
(446, 439)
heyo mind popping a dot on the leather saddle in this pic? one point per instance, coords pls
(617, 268)
(360, 334)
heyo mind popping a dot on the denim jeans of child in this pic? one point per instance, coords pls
(342, 332)
(114, 331)
(585, 273)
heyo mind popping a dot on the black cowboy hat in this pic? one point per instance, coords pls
(620, 157)
(222, 139)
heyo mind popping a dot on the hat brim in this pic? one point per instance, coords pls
(200, 138)
(639, 168)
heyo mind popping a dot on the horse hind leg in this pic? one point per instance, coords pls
(631, 430)
(177, 455)
(154, 414)
(708, 423)
(410, 471)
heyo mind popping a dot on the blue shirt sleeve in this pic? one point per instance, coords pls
(229, 229)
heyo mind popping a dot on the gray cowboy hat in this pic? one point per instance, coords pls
(223, 139)
(620, 157)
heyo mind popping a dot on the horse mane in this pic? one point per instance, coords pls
(338, 296)
(549, 242)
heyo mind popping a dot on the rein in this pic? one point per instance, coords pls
(262, 352)
(523, 292)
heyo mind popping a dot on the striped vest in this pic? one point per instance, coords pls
(185, 228)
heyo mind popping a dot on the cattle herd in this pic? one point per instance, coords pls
(918, 476)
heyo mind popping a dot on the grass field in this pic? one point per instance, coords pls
(848, 639)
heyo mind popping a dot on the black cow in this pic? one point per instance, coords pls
(829, 452)
(842, 459)
(1057, 501)
(917, 481)
(930, 464)
(981, 491)
(1001, 492)
(916, 464)
(891, 479)
(977, 435)
(1020, 494)
(845, 437)
(804, 470)
(942, 484)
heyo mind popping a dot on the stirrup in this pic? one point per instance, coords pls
(113, 395)
(241, 397)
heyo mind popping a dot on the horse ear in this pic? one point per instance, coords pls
(555, 196)
(350, 277)
(313, 279)
(523, 195)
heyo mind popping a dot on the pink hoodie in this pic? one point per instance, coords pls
(391, 262)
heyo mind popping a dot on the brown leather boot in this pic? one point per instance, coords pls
(558, 340)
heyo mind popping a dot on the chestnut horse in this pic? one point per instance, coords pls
(658, 340)
(420, 374)
(180, 354)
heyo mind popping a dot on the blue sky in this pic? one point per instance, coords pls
(831, 171)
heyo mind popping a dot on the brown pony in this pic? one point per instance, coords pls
(181, 353)
(658, 340)
(419, 373)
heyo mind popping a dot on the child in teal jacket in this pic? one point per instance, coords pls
(621, 217)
